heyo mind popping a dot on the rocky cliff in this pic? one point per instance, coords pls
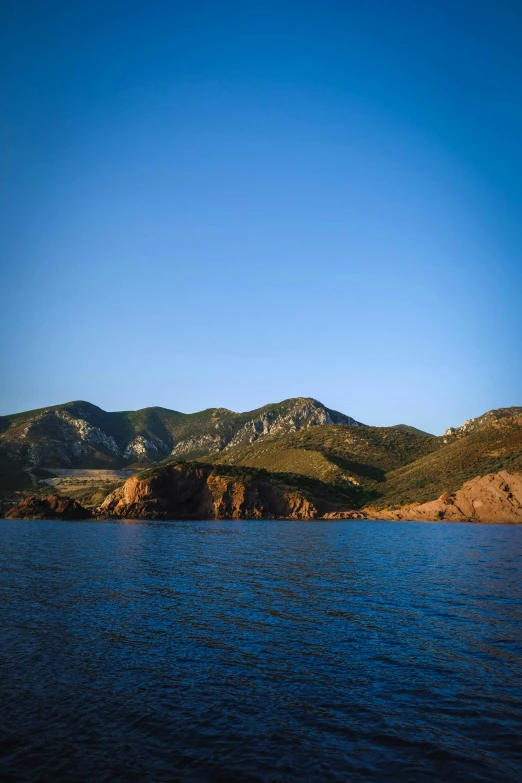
(51, 507)
(496, 497)
(193, 491)
(488, 419)
(199, 491)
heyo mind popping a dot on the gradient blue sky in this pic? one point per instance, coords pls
(231, 203)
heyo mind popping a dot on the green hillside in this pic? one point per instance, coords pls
(81, 435)
(493, 446)
(382, 467)
(334, 453)
(121, 425)
(408, 428)
(298, 438)
(392, 466)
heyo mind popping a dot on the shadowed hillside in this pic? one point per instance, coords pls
(337, 454)
(491, 446)
(298, 441)
(81, 435)
(392, 466)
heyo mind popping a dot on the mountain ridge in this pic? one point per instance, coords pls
(297, 440)
(80, 434)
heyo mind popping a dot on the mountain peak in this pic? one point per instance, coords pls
(78, 434)
(479, 422)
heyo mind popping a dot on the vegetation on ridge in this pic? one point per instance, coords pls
(495, 446)
(346, 495)
(354, 466)
(390, 465)
(334, 453)
(79, 434)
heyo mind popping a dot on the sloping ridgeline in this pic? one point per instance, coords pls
(489, 444)
(81, 435)
(293, 441)
(392, 466)
(337, 454)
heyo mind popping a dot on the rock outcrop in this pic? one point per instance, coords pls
(192, 491)
(141, 448)
(496, 497)
(81, 435)
(199, 491)
(51, 507)
(229, 430)
(492, 417)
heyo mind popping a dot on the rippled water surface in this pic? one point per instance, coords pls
(260, 651)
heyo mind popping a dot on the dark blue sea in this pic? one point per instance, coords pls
(260, 651)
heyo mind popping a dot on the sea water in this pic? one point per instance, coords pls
(260, 651)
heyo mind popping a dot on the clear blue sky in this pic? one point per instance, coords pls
(230, 203)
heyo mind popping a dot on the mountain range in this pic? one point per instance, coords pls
(300, 442)
(81, 435)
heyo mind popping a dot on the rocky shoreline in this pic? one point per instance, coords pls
(191, 491)
(496, 497)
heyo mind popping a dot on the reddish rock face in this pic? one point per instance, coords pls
(52, 507)
(189, 491)
(199, 492)
(496, 497)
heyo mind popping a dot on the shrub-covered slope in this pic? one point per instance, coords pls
(81, 435)
(298, 440)
(337, 454)
(392, 466)
(492, 446)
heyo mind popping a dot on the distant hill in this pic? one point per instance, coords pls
(480, 422)
(334, 453)
(295, 441)
(408, 428)
(491, 444)
(392, 466)
(81, 435)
